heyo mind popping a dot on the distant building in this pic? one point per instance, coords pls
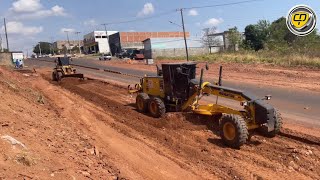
(59, 45)
(125, 40)
(225, 44)
(97, 42)
(171, 47)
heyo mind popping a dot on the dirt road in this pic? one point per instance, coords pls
(294, 103)
(89, 129)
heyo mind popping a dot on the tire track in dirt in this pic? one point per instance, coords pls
(188, 140)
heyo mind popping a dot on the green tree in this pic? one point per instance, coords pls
(46, 48)
(5, 50)
(282, 39)
(280, 36)
(257, 35)
(234, 37)
(75, 49)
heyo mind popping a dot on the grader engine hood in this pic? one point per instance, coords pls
(265, 114)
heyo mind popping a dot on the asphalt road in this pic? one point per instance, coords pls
(299, 106)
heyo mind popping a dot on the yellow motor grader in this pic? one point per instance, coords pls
(64, 69)
(175, 88)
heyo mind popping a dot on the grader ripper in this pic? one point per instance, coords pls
(176, 89)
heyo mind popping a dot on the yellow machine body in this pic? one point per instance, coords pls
(153, 86)
(176, 89)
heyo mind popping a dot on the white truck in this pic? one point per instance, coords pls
(17, 59)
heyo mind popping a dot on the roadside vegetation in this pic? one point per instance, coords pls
(260, 57)
(268, 43)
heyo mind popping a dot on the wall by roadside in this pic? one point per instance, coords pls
(175, 52)
(6, 59)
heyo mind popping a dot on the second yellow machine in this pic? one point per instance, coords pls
(175, 88)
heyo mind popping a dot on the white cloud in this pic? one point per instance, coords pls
(62, 30)
(90, 22)
(15, 27)
(22, 6)
(193, 12)
(148, 9)
(214, 22)
(58, 11)
(33, 9)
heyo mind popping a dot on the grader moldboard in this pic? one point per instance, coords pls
(175, 88)
(64, 69)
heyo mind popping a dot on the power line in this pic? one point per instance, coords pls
(141, 19)
(173, 11)
(218, 5)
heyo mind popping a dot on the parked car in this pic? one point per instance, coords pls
(105, 57)
(126, 53)
(137, 55)
(123, 54)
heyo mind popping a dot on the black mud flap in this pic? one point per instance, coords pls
(265, 115)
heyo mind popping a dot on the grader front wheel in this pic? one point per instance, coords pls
(142, 101)
(54, 76)
(156, 107)
(233, 130)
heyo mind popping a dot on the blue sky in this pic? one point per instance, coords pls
(31, 21)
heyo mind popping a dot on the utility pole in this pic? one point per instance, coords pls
(68, 41)
(40, 49)
(105, 28)
(184, 34)
(77, 33)
(1, 47)
(5, 29)
(67, 36)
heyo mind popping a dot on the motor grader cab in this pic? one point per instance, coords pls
(175, 88)
(64, 69)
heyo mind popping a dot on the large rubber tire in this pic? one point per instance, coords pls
(59, 76)
(233, 130)
(156, 107)
(277, 126)
(54, 76)
(142, 101)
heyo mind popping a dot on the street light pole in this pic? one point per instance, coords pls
(105, 28)
(184, 34)
(5, 29)
(79, 41)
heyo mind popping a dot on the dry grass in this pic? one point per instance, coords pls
(263, 57)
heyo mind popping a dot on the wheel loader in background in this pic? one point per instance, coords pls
(175, 89)
(64, 69)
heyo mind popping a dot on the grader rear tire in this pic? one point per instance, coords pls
(233, 130)
(59, 76)
(142, 101)
(156, 107)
